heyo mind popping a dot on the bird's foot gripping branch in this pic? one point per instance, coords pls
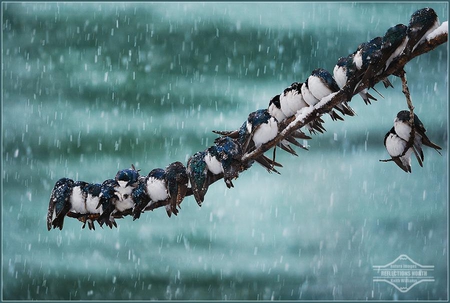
(289, 114)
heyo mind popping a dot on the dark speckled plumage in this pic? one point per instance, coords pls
(59, 203)
(422, 22)
(198, 176)
(177, 181)
(108, 200)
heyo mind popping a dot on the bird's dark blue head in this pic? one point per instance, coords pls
(108, 188)
(94, 189)
(275, 101)
(229, 147)
(297, 86)
(258, 117)
(157, 173)
(394, 36)
(83, 185)
(129, 175)
(176, 167)
(229, 150)
(404, 115)
(422, 18)
(326, 78)
(371, 51)
(342, 62)
(213, 151)
(64, 182)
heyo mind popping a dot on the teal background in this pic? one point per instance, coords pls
(90, 88)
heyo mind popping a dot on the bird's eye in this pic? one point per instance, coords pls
(126, 196)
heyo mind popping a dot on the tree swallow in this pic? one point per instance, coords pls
(344, 71)
(107, 202)
(422, 22)
(320, 84)
(199, 176)
(59, 204)
(291, 100)
(225, 158)
(398, 150)
(127, 180)
(92, 207)
(403, 130)
(291, 95)
(393, 44)
(366, 59)
(177, 184)
(275, 109)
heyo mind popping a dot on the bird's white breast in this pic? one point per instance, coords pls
(402, 129)
(308, 97)
(318, 88)
(77, 200)
(265, 132)
(213, 164)
(276, 112)
(91, 204)
(397, 52)
(395, 145)
(357, 59)
(291, 103)
(125, 200)
(156, 189)
(340, 76)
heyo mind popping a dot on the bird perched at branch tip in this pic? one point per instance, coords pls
(422, 22)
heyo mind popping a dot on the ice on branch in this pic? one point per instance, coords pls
(441, 30)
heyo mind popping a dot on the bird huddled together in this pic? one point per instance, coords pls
(129, 193)
(406, 138)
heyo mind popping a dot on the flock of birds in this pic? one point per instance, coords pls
(130, 193)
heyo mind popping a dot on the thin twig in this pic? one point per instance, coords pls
(405, 91)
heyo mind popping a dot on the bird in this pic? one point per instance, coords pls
(127, 180)
(107, 202)
(399, 151)
(199, 176)
(321, 84)
(366, 59)
(403, 130)
(393, 44)
(59, 204)
(344, 71)
(422, 22)
(141, 197)
(259, 129)
(224, 157)
(75, 198)
(177, 185)
(156, 185)
(293, 102)
(274, 109)
(92, 193)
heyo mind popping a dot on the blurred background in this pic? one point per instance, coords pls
(90, 88)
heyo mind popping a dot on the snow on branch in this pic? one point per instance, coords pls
(298, 107)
